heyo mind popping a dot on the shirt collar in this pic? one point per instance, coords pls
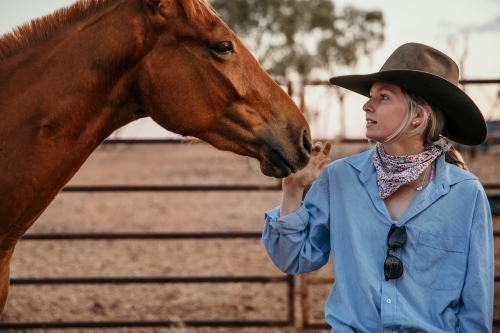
(446, 175)
(363, 163)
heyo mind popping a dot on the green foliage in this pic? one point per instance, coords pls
(303, 37)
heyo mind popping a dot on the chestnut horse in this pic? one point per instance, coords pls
(69, 79)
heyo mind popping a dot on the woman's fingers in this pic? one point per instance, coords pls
(316, 149)
(327, 148)
(320, 152)
(320, 148)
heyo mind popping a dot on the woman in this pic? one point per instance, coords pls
(409, 229)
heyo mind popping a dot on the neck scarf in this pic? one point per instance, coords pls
(396, 171)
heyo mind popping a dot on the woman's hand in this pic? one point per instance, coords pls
(319, 159)
(294, 185)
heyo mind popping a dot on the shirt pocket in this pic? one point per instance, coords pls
(440, 262)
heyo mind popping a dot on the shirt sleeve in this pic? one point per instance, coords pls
(300, 241)
(476, 311)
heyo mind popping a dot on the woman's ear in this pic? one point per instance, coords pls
(422, 114)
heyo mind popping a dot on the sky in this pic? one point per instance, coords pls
(451, 26)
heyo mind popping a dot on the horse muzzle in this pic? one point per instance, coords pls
(280, 158)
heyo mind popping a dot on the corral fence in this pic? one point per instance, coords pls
(285, 279)
(307, 281)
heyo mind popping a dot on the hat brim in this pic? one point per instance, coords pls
(465, 123)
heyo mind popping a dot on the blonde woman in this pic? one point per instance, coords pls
(408, 227)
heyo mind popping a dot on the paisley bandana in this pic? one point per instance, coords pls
(396, 171)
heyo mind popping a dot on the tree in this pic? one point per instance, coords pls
(302, 38)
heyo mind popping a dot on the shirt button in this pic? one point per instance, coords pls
(388, 301)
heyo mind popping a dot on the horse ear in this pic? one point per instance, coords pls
(163, 7)
(153, 4)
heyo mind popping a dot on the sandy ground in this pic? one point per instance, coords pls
(191, 164)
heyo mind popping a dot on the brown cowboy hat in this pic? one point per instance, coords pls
(434, 76)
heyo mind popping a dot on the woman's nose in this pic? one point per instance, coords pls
(367, 107)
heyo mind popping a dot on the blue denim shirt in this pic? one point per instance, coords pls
(448, 279)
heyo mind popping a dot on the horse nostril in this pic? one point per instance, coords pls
(306, 141)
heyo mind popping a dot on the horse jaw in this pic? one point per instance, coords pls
(280, 151)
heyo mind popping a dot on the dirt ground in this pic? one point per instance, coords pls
(182, 164)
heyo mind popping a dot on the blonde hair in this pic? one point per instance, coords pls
(429, 129)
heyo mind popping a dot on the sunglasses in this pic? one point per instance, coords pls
(396, 239)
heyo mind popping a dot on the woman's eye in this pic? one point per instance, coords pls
(224, 48)
(384, 96)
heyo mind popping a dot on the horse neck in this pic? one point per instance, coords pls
(62, 98)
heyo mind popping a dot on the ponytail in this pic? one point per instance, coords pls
(454, 157)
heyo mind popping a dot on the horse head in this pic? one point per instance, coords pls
(200, 80)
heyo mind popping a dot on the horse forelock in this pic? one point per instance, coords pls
(40, 29)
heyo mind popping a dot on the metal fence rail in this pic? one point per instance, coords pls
(170, 188)
(149, 280)
(147, 235)
(121, 324)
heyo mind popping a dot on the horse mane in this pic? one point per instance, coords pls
(193, 8)
(40, 29)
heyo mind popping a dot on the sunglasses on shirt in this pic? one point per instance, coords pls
(396, 239)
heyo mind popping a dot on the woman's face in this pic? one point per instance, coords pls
(385, 111)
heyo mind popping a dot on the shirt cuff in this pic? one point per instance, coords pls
(288, 224)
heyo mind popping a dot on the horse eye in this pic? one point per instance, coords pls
(224, 48)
